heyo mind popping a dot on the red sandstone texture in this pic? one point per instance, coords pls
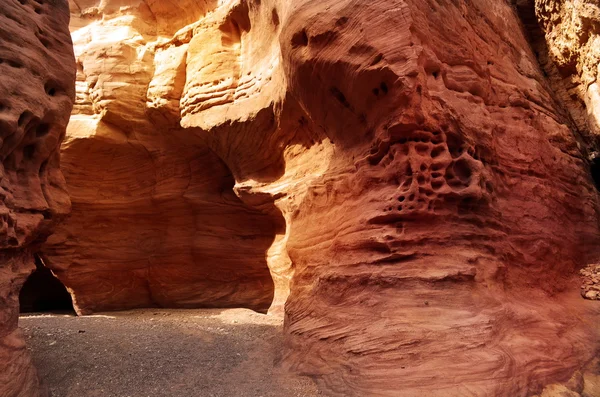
(37, 72)
(457, 206)
(402, 169)
(155, 220)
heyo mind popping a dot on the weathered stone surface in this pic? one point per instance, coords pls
(447, 242)
(575, 383)
(404, 163)
(558, 391)
(17, 375)
(37, 72)
(155, 220)
(590, 286)
(591, 385)
(571, 58)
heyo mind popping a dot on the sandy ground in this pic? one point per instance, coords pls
(155, 352)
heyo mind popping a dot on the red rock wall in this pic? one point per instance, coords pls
(155, 221)
(454, 214)
(402, 169)
(37, 72)
(160, 225)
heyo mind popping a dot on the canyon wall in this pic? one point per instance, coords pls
(404, 170)
(155, 220)
(458, 206)
(571, 59)
(37, 73)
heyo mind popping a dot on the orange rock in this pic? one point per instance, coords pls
(401, 169)
(571, 58)
(37, 72)
(155, 219)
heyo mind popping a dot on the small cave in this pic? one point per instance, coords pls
(43, 292)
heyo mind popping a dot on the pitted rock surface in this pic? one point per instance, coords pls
(37, 73)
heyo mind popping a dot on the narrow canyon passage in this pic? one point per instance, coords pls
(412, 185)
(161, 352)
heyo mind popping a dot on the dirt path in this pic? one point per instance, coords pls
(150, 353)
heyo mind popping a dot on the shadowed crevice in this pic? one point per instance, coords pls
(43, 292)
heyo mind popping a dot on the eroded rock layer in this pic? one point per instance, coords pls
(155, 221)
(37, 72)
(572, 58)
(405, 163)
(458, 205)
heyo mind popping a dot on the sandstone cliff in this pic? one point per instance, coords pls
(571, 31)
(404, 170)
(155, 220)
(37, 72)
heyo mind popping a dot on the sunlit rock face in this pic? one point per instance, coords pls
(400, 169)
(155, 220)
(37, 73)
(571, 30)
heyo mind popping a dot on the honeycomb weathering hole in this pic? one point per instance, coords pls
(50, 89)
(42, 130)
(29, 151)
(26, 115)
(300, 39)
(462, 170)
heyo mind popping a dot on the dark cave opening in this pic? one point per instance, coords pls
(43, 292)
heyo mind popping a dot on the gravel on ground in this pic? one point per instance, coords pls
(160, 352)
